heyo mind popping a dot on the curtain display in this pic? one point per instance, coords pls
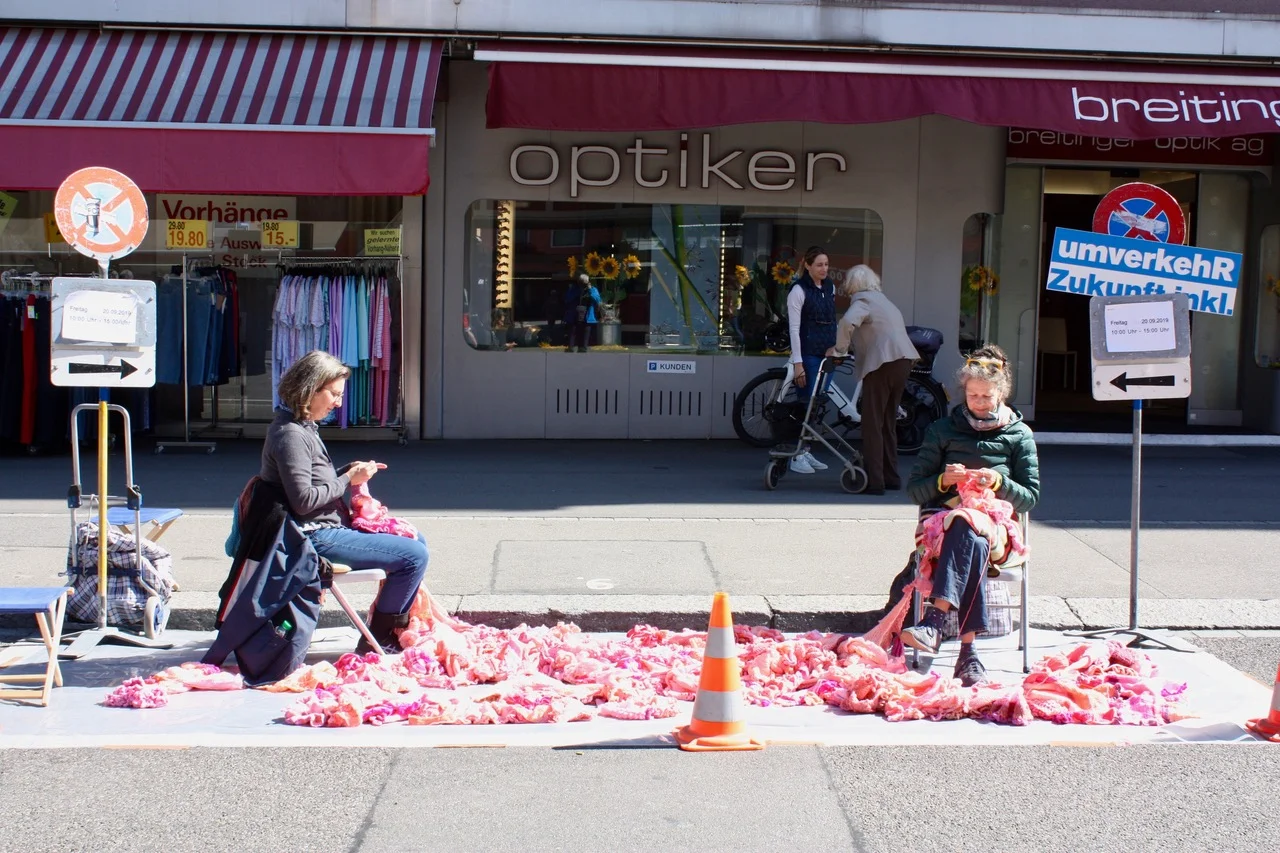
(351, 313)
(212, 327)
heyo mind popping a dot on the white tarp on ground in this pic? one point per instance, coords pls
(1222, 697)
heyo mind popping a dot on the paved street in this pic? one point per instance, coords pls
(1133, 799)
(525, 528)
(608, 533)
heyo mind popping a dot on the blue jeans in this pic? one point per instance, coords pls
(811, 364)
(403, 559)
(959, 576)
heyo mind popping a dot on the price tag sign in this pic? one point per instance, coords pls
(187, 234)
(279, 233)
(382, 241)
(1140, 327)
(51, 232)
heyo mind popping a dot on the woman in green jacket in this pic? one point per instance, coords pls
(985, 439)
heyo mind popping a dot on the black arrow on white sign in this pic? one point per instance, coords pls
(124, 368)
(1123, 381)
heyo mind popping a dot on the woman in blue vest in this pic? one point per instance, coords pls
(811, 315)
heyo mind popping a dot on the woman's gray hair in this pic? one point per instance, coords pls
(859, 279)
(305, 378)
(990, 364)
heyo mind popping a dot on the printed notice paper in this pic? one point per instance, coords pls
(1140, 327)
(107, 318)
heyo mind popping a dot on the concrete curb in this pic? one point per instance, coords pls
(837, 613)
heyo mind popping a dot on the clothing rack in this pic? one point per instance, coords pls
(209, 446)
(390, 264)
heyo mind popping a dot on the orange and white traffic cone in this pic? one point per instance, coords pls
(1269, 727)
(717, 723)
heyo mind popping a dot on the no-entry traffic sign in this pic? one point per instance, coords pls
(101, 212)
(1141, 211)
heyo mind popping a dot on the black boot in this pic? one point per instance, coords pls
(382, 626)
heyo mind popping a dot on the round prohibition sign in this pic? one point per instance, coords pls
(101, 212)
(1142, 211)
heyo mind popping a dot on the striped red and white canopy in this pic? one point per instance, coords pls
(250, 112)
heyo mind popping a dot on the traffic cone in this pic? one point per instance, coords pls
(1269, 728)
(717, 723)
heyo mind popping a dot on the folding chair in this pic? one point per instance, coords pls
(160, 519)
(49, 606)
(1018, 573)
(345, 576)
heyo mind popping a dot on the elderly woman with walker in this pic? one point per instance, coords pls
(985, 440)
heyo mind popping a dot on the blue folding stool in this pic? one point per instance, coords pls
(49, 605)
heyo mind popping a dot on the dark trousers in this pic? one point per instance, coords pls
(580, 331)
(959, 575)
(881, 391)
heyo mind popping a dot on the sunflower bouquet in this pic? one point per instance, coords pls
(609, 275)
(982, 279)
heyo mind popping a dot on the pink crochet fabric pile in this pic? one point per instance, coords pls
(368, 514)
(544, 675)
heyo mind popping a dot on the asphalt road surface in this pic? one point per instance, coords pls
(1148, 798)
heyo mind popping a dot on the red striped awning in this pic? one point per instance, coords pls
(611, 88)
(218, 112)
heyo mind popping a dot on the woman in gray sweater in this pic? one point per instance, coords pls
(294, 458)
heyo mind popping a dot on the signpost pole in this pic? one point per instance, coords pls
(103, 526)
(103, 335)
(1135, 513)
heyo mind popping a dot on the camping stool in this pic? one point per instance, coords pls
(344, 575)
(160, 518)
(49, 605)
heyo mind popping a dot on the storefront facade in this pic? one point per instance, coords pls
(320, 140)
(893, 195)
(685, 180)
(926, 201)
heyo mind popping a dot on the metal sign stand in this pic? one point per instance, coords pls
(1149, 337)
(80, 213)
(84, 641)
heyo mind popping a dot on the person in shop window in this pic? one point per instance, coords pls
(580, 312)
(884, 355)
(985, 441)
(811, 318)
(295, 459)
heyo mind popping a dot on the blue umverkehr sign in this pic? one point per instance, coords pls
(1103, 265)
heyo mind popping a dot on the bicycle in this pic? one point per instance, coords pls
(767, 410)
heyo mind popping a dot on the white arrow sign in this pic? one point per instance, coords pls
(1128, 381)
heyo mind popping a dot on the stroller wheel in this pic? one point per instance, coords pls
(155, 616)
(853, 480)
(773, 473)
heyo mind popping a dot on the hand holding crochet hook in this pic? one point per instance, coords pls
(361, 472)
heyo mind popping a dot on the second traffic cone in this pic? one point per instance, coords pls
(717, 723)
(1269, 727)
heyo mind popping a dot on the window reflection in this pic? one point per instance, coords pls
(694, 278)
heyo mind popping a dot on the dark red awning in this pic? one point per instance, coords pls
(218, 112)
(591, 88)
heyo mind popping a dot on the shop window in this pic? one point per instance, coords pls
(1267, 350)
(241, 367)
(979, 282)
(692, 278)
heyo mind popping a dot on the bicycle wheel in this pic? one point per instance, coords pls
(757, 410)
(923, 402)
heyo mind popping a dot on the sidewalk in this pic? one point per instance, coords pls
(608, 534)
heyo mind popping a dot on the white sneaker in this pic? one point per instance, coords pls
(800, 465)
(813, 462)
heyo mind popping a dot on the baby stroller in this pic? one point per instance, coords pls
(811, 426)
